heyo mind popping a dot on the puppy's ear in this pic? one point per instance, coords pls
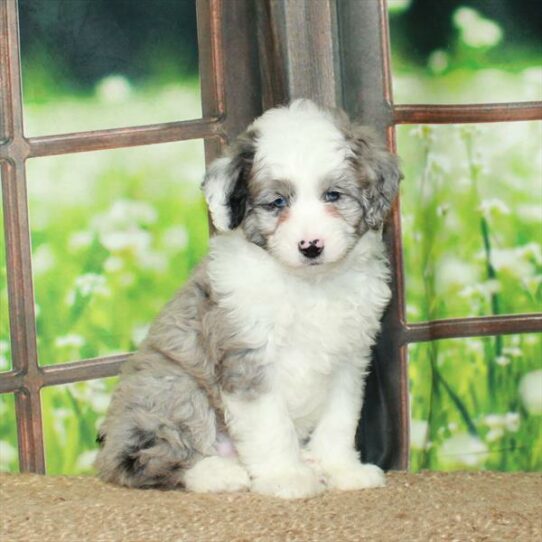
(379, 175)
(226, 183)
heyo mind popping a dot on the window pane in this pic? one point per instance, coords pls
(114, 235)
(93, 64)
(472, 217)
(477, 404)
(5, 345)
(72, 414)
(9, 456)
(448, 52)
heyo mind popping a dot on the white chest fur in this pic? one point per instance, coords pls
(309, 323)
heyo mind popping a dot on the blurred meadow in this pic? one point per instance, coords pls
(115, 233)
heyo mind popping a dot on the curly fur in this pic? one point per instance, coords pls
(252, 376)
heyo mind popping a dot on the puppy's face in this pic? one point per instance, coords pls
(303, 183)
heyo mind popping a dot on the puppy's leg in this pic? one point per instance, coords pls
(159, 424)
(332, 442)
(268, 446)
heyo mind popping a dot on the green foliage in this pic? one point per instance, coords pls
(115, 233)
(472, 213)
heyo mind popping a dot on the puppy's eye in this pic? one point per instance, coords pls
(331, 196)
(279, 203)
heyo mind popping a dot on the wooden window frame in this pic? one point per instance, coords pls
(271, 61)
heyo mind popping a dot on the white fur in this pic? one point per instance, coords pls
(302, 144)
(317, 329)
(216, 474)
(216, 194)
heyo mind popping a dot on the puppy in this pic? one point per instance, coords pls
(252, 376)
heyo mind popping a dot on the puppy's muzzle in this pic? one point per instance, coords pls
(311, 249)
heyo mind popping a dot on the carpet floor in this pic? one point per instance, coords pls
(427, 507)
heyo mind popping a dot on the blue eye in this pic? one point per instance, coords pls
(280, 203)
(332, 195)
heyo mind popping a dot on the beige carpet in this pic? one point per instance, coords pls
(462, 507)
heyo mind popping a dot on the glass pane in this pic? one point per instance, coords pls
(485, 52)
(93, 64)
(72, 414)
(114, 235)
(9, 455)
(472, 217)
(5, 345)
(477, 404)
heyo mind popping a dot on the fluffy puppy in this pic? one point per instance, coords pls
(252, 376)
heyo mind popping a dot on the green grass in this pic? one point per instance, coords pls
(115, 233)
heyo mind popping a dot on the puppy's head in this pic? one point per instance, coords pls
(304, 183)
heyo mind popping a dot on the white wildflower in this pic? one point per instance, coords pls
(495, 434)
(176, 238)
(512, 421)
(531, 251)
(152, 260)
(91, 283)
(464, 450)
(418, 434)
(129, 212)
(113, 89)
(8, 454)
(43, 260)
(530, 212)
(438, 163)
(135, 239)
(113, 264)
(425, 132)
(498, 424)
(86, 460)
(87, 285)
(73, 341)
(438, 61)
(80, 239)
(99, 401)
(513, 260)
(452, 271)
(512, 351)
(476, 31)
(494, 421)
(530, 391)
(502, 361)
(531, 339)
(491, 206)
(483, 289)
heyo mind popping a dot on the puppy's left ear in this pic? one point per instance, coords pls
(226, 183)
(379, 175)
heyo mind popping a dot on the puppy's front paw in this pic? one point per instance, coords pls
(294, 483)
(355, 476)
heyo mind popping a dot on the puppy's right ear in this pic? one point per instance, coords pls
(226, 183)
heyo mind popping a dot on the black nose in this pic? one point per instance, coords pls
(312, 249)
